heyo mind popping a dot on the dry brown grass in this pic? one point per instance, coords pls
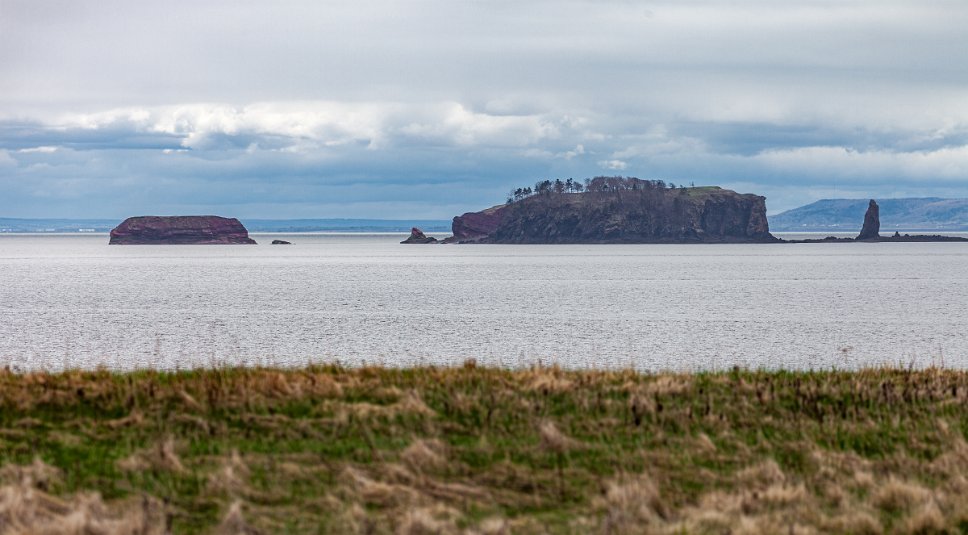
(425, 455)
(234, 522)
(25, 508)
(161, 456)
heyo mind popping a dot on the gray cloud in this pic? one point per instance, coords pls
(426, 108)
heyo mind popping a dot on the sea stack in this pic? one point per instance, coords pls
(180, 230)
(872, 223)
(417, 236)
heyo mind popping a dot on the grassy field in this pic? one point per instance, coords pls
(483, 450)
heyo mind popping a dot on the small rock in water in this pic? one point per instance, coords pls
(417, 236)
(281, 242)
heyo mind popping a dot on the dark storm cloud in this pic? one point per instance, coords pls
(428, 108)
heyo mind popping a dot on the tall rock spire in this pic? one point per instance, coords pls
(872, 223)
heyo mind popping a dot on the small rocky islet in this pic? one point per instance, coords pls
(418, 236)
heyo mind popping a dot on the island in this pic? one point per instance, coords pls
(618, 210)
(180, 230)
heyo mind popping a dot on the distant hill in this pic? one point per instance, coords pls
(847, 215)
(253, 225)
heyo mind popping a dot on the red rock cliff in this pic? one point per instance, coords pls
(177, 230)
(474, 226)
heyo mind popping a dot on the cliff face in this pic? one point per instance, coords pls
(693, 215)
(474, 226)
(177, 230)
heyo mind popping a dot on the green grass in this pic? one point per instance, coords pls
(330, 449)
(696, 191)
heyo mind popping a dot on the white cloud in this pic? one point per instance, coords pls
(657, 140)
(566, 155)
(950, 163)
(577, 151)
(312, 125)
(614, 165)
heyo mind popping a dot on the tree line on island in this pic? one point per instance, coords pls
(596, 184)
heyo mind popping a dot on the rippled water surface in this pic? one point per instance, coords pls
(75, 301)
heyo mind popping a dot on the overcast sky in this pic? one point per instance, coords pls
(427, 109)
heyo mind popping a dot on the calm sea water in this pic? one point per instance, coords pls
(74, 301)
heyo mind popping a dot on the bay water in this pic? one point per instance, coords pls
(73, 301)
